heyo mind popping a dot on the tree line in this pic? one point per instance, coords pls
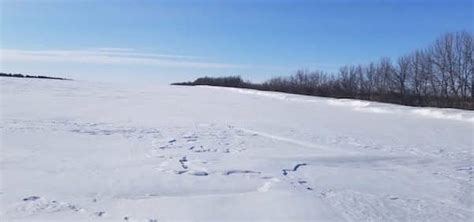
(18, 75)
(440, 75)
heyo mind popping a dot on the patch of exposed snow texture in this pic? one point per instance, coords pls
(85, 151)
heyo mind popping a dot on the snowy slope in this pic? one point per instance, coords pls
(73, 150)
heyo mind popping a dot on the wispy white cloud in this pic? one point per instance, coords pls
(110, 56)
(115, 49)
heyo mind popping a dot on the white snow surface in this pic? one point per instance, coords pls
(74, 150)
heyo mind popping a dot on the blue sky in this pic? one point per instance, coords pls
(169, 41)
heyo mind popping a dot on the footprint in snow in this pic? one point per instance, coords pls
(31, 198)
(179, 172)
(230, 172)
(183, 161)
(295, 168)
(100, 214)
(199, 173)
(303, 183)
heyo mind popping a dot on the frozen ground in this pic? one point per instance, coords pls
(73, 150)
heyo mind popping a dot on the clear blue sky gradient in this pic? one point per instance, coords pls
(255, 39)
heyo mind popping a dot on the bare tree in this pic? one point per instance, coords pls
(440, 75)
(400, 75)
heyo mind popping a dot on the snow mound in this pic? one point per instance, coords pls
(363, 106)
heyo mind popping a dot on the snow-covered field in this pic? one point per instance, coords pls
(73, 150)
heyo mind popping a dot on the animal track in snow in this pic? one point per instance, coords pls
(199, 173)
(181, 171)
(302, 183)
(295, 168)
(31, 198)
(190, 137)
(230, 172)
(183, 161)
(206, 138)
(100, 214)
